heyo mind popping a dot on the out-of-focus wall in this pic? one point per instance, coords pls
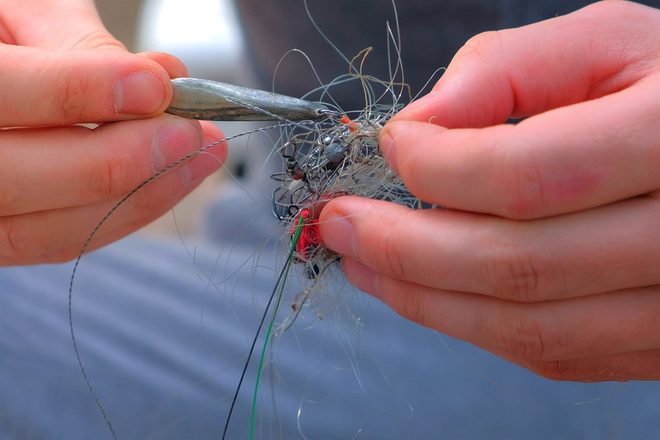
(120, 17)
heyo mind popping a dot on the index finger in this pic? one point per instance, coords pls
(41, 88)
(564, 160)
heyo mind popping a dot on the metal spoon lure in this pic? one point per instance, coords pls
(216, 101)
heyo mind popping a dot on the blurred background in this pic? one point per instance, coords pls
(121, 17)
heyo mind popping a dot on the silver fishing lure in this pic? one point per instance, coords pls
(215, 101)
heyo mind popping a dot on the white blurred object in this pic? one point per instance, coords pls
(204, 34)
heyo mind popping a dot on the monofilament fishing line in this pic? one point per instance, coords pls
(322, 160)
(337, 158)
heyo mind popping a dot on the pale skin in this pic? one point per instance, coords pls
(548, 253)
(60, 67)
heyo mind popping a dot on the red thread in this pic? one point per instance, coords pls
(310, 236)
(352, 126)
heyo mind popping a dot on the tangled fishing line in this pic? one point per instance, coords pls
(322, 160)
(335, 157)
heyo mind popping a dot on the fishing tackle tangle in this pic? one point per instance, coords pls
(340, 155)
(336, 157)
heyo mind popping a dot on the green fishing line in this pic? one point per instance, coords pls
(281, 281)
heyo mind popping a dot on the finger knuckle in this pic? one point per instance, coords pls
(9, 201)
(512, 272)
(71, 99)
(524, 336)
(15, 245)
(391, 260)
(409, 305)
(109, 176)
(96, 40)
(520, 182)
(101, 182)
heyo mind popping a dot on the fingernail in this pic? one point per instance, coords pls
(172, 142)
(139, 93)
(362, 277)
(338, 233)
(387, 146)
(386, 141)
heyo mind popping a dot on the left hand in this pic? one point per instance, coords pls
(60, 69)
(548, 253)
